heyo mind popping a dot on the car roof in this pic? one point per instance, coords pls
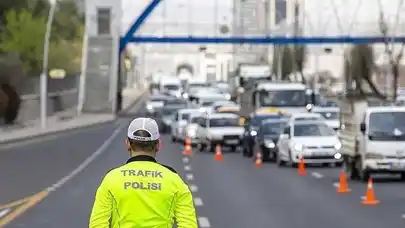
(280, 86)
(304, 114)
(189, 110)
(222, 115)
(326, 109)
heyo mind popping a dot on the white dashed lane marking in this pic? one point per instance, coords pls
(189, 176)
(187, 168)
(403, 216)
(4, 212)
(317, 175)
(186, 159)
(204, 222)
(198, 202)
(193, 188)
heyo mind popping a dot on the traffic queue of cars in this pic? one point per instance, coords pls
(207, 117)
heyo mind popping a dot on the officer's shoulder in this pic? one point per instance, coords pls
(169, 168)
(109, 171)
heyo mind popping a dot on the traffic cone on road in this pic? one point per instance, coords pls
(218, 153)
(301, 168)
(343, 186)
(259, 160)
(370, 196)
(188, 151)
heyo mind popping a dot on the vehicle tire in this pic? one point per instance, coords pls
(363, 175)
(212, 148)
(280, 163)
(402, 176)
(174, 139)
(233, 148)
(201, 147)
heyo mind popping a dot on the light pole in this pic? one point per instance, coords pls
(44, 73)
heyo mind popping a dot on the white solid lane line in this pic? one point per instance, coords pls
(204, 222)
(189, 176)
(186, 159)
(187, 168)
(336, 185)
(317, 175)
(198, 202)
(193, 188)
(4, 212)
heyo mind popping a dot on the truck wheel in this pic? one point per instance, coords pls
(201, 147)
(402, 176)
(233, 148)
(212, 148)
(280, 163)
(173, 139)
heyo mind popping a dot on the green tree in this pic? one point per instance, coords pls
(68, 21)
(358, 70)
(24, 34)
(65, 55)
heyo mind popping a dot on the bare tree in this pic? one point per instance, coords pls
(394, 57)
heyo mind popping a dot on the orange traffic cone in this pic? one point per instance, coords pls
(301, 168)
(218, 153)
(188, 151)
(343, 186)
(370, 196)
(259, 160)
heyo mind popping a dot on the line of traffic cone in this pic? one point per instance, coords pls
(188, 149)
(301, 168)
(259, 160)
(218, 153)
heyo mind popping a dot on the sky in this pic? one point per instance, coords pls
(322, 17)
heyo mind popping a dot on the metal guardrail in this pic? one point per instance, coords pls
(27, 97)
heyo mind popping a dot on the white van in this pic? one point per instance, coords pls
(376, 144)
(171, 86)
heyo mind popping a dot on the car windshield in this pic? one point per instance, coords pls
(169, 112)
(171, 87)
(312, 129)
(283, 98)
(273, 128)
(157, 100)
(194, 119)
(257, 120)
(175, 102)
(224, 122)
(329, 115)
(207, 103)
(185, 116)
(387, 126)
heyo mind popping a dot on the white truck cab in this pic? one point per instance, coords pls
(180, 121)
(171, 86)
(373, 140)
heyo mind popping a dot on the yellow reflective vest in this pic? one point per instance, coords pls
(143, 194)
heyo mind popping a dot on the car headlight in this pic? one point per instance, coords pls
(228, 96)
(253, 133)
(372, 155)
(149, 107)
(269, 144)
(298, 147)
(337, 156)
(191, 132)
(185, 96)
(338, 146)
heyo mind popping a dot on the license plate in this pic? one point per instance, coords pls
(319, 154)
(233, 141)
(397, 165)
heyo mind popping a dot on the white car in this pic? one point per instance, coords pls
(305, 117)
(331, 115)
(190, 130)
(314, 141)
(219, 129)
(155, 104)
(180, 120)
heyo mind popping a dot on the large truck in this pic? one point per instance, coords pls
(372, 137)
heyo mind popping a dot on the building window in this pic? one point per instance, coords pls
(104, 21)
(280, 11)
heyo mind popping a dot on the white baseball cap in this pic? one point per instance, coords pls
(143, 124)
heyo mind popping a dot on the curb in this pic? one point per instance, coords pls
(72, 128)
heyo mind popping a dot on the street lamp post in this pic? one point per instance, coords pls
(44, 73)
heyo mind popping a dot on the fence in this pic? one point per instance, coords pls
(62, 96)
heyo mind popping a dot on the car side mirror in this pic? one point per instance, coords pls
(363, 128)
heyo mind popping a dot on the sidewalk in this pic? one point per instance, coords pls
(65, 121)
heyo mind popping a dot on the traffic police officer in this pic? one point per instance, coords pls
(143, 193)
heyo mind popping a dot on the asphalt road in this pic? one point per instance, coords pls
(228, 194)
